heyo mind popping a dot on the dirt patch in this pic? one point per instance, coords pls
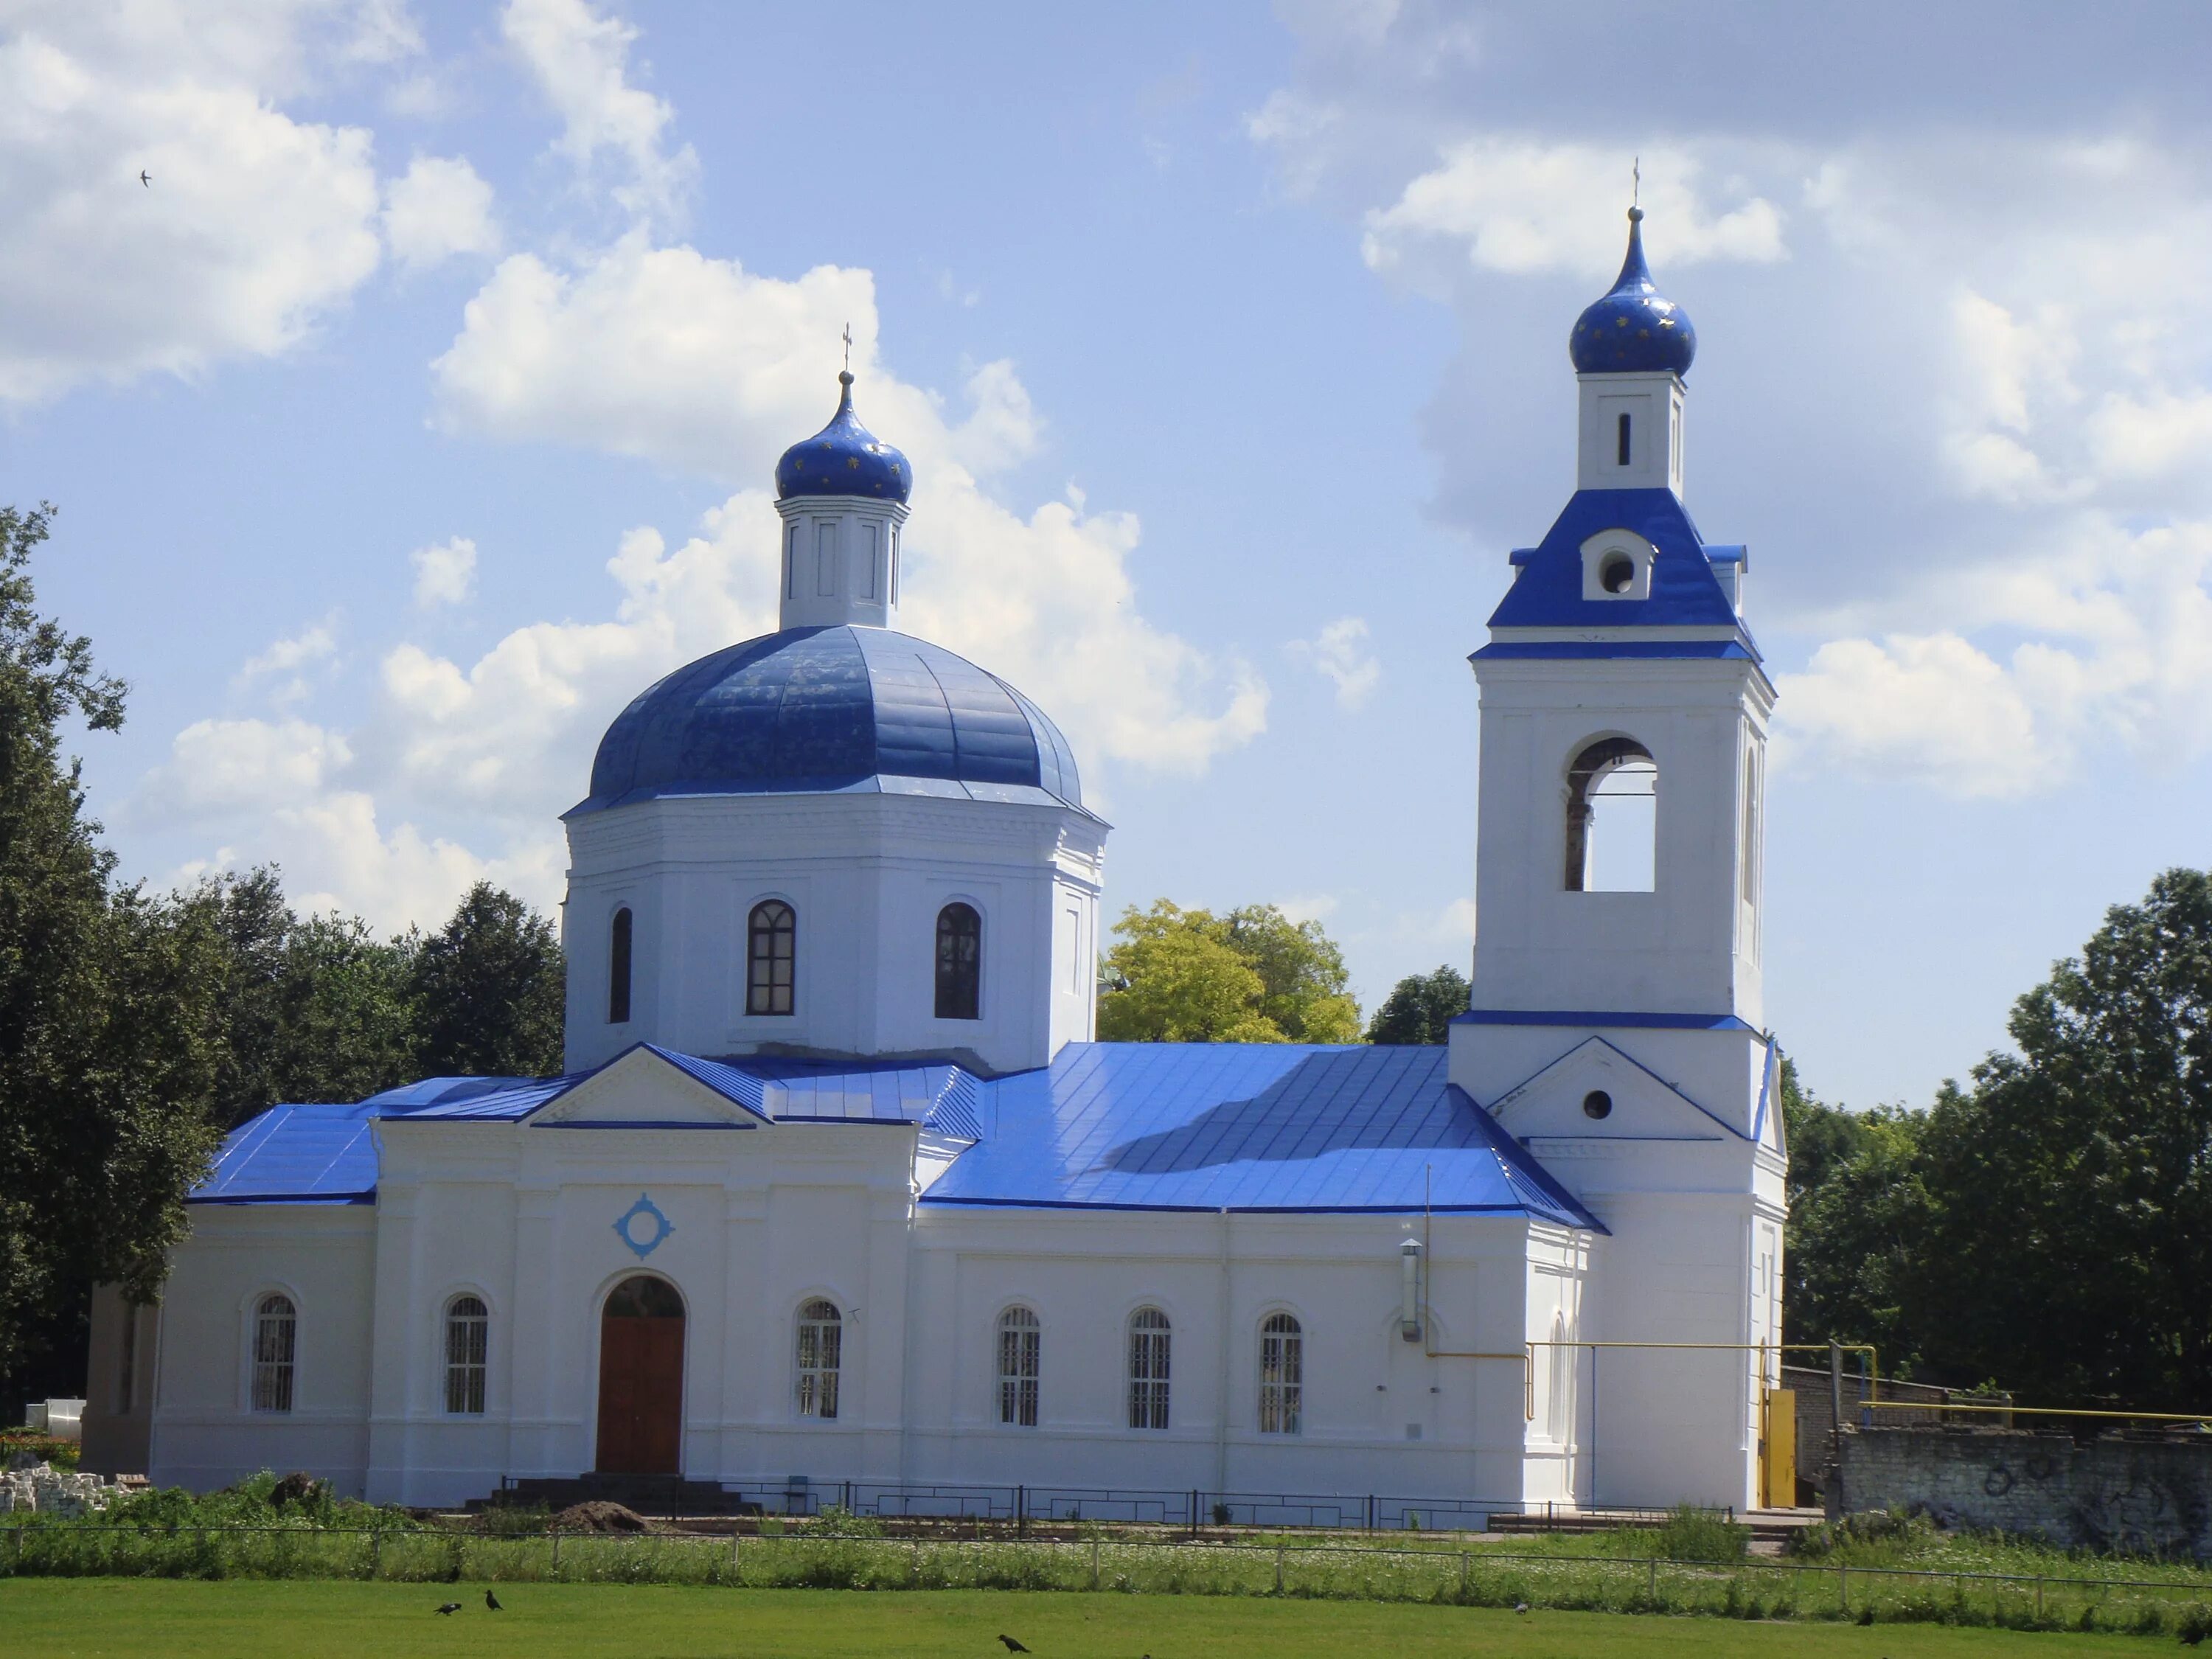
(599, 1516)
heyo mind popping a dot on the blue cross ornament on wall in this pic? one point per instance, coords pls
(643, 1226)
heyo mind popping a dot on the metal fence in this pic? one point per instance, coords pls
(1019, 1504)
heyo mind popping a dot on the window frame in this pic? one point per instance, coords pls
(467, 1376)
(272, 1379)
(765, 925)
(1588, 768)
(818, 1359)
(1019, 1350)
(1150, 1368)
(951, 1006)
(1282, 1373)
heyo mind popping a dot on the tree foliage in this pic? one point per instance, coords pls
(110, 1030)
(492, 988)
(2049, 1227)
(1420, 1008)
(1251, 975)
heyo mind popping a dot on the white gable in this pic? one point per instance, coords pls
(1558, 1103)
(642, 1089)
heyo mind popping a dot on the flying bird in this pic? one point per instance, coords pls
(144, 179)
(1012, 1646)
(449, 1609)
(492, 1601)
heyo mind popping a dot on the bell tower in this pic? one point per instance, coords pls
(1617, 1020)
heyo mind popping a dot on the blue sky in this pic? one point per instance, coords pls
(422, 411)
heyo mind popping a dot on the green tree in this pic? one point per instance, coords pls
(1170, 979)
(110, 1030)
(1420, 1007)
(1304, 988)
(1856, 1211)
(1253, 976)
(491, 988)
(2067, 1240)
(319, 1009)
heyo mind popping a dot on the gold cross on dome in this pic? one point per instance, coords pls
(848, 347)
(1635, 183)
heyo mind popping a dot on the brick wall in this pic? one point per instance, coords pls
(2137, 1495)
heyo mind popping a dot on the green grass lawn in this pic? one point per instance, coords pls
(238, 1620)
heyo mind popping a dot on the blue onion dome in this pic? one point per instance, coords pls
(1632, 330)
(843, 458)
(830, 710)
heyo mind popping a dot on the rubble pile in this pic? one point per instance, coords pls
(45, 1490)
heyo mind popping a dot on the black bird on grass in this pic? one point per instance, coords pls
(449, 1609)
(1012, 1646)
(492, 1601)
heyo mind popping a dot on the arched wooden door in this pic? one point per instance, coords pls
(641, 1378)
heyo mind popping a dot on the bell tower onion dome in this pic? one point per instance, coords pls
(1633, 329)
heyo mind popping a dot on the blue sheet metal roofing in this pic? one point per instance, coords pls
(830, 709)
(1547, 583)
(843, 458)
(1271, 1127)
(1632, 330)
(1262, 1127)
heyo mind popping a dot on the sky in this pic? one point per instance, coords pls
(421, 409)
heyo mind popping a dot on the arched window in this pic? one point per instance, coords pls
(1019, 1342)
(1282, 1371)
(618, 968)
(771, 956)
(1148, 1369)
(821, 1337)
(1623, 450)
(468, 1342)
(1619, 772)
(275, 1343)
(960, 963)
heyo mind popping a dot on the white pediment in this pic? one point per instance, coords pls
(1635, 1104)
(640, 1090)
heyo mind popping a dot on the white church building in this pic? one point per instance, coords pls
(839, 1192)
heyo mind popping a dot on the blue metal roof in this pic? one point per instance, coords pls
(1540, 650)
(296, 1154)
(1265, 1127)
(843, 458)
(1600, 1020)
(1270, 1127)
(1632, 330)
(1547, 586)
(830, 709)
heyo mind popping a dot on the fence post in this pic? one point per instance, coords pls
(1094, 1561)
(736, 1537)
(1021, 1512)
(1652, 1575)
(917, 1560)
(1842, 1586)
(1278, 1569)
(2038, 1600)
(1466, 1574)
(556, 1555)
(376, 1553)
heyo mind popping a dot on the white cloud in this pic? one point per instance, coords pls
(581, 62)
(219, 770)
(1523, 206)
(2114, 649)
(286, 659)
(1339, 653)
(255, 227)
(1309, 906)
(437, 209)
(445, 572)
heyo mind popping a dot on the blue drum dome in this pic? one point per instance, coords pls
(822, 709)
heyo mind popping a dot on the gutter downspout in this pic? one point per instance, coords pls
(1221, 1395)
